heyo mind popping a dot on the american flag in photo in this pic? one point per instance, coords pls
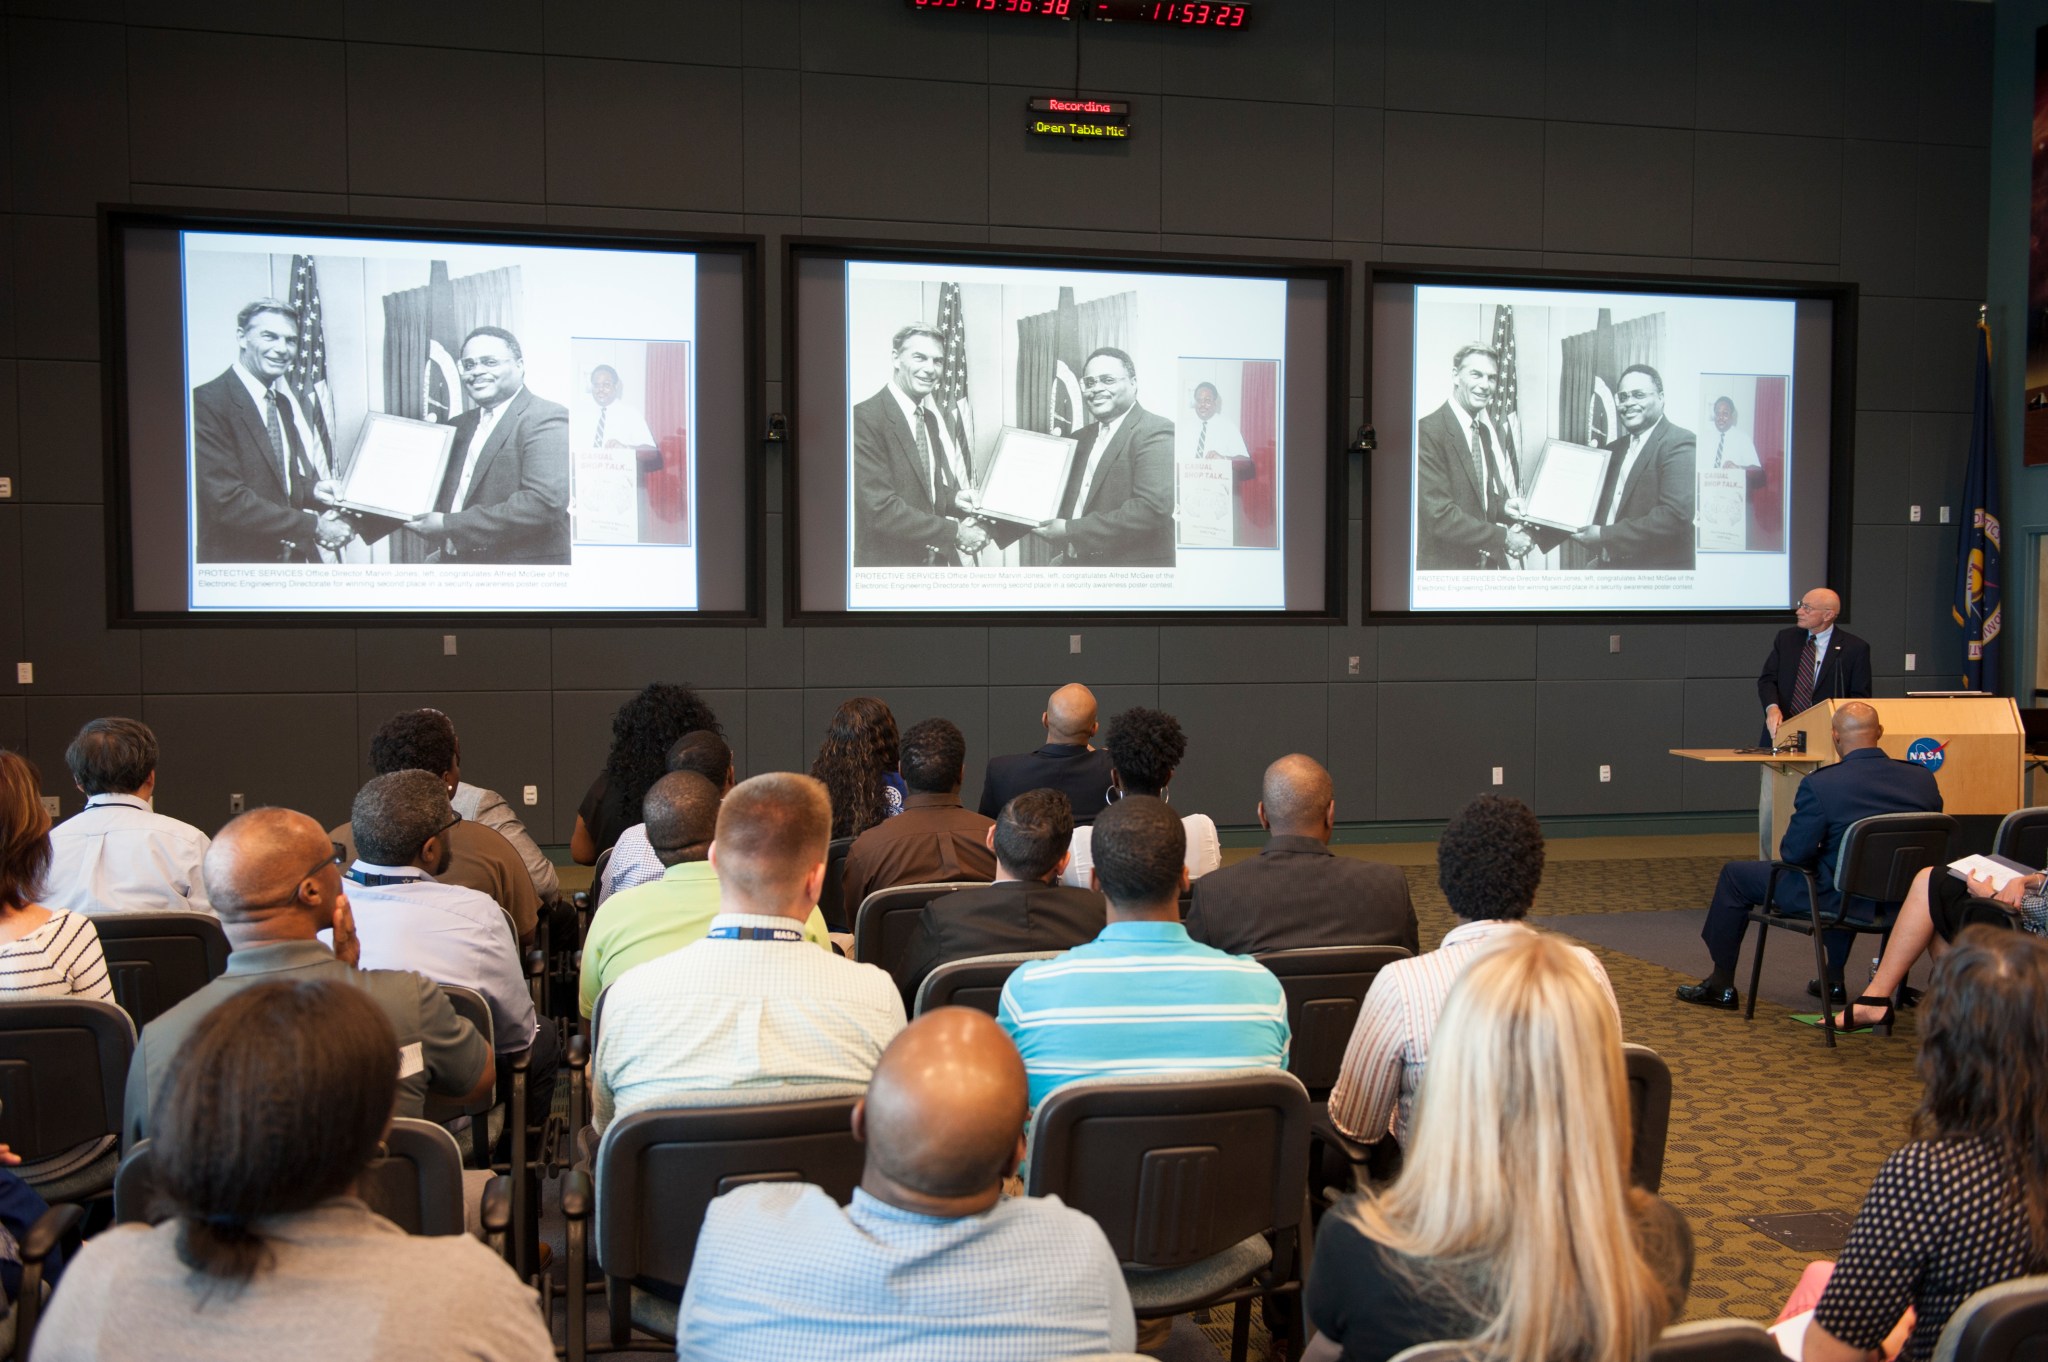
(951, 392)
(307, 374)
(1506, 402)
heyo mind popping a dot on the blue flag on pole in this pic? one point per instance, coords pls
(1978, 572)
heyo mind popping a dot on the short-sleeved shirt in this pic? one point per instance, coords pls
(482, 860)
(933, 840)
(606, 812)
(1026, 1279)
(633, 861)
(437, 1050)
(117, 854)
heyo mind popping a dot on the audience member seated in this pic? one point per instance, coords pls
(1067, 762)
(406, 920)
(271, 1111)
(45, 952)
(473, 802)
(934, 838)
(650, 920)
(1488, 863)
(478, 857)
(1142, 998)
(1026, 909)
(1939, 905)
(930, 1263)
(1296, 893)
(1145, 745)
(643, 730)
(753, 1004)
(117, 852)
(857, 763)
(1965, 1204)
(276, 881)
(1864, 782)
(1512, 1226)
(633, 859)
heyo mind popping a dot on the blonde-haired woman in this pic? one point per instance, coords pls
(1512, 1226)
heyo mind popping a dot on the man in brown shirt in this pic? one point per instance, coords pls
(934, 838)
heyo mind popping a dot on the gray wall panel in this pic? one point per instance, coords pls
(1943, 387)
(1733, 650)
(289, 18)
(1285, 55)
(51, 721)
(1478, 65)
(1358, 39)
(645, 30)
(1792, 84)
(1583, 652)
(1266, 196)
(1878, 567)
(606, 659)
(63, 614)
(1358, 167)
(1354, 641)
(1627, 726)
(1883, 489)
(776, 737)
(1950, 222)
(1043, 656)
(1930, 595)
(484, 659)
(192, 120)
(1227, 757)
(1590, 40)
(202, 737)
(850, 172)
(1887, 353)
(10, 600)
(1432, 652)
(391, 149)
(1936, 462)
(1499, 160)
(1719, 712)
(68, 124)
(1589, 168)
(56, 288)
(771, 34)
(686, 134)
(773, 164)
(892, 40)
(200, 661)
(925, 655)
(1767, 198)
(1952, 92)
(14, 723)
(506, 744)
(10, 414)
(514, 26)
(1439, 743)
(1353, 759)
(1885, 64)
(1877, 236)
(60, 435)
(1281, 652)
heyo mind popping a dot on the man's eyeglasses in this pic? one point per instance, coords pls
(487, 364)
(1100, 382)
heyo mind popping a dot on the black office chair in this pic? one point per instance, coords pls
(975, 981)
(2023, 837)
(1199, 1181)
(1649, 1105)
(1875, 867)
(511, 1092)
(831, 898)
(63, 1071)
(2006, 1322)
(886, 925)
(1325, 986)
(157, 960)
(58, 1226)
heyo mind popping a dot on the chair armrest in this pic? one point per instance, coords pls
(1812, 888)
(497, 1206)
(1324, 1130)
(51, 1229)
(578, 1200)
(578, 1057)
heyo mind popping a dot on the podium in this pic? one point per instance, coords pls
(1974, 747)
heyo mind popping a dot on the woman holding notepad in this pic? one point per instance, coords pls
(1943, 901)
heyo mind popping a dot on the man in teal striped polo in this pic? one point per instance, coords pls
(1142, 998)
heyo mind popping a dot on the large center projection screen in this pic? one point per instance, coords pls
(1553, 449)
(330, 423)
(1187, 468)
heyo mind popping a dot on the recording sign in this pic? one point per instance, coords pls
(1076, 116)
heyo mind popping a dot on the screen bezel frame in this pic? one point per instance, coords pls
(114, 220)
(1336, 569)
(1843, 295)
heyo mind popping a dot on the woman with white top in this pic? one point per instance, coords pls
(1145, 746)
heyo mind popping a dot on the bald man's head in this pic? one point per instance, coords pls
(258, 860)
(1855, 725)
(943, 1115)
(1070, 714)
(1295, 799)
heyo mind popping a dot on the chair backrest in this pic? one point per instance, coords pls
(63, 1069)
(1882, 853)
(1716, 1340)
(886, 924)
(416, 1183)
(1176, 1167)
(157, 960)
(1649, 1104)
(1325, 986)
(976, 981)
(657, 1171)
(471, 1007)
(831, 898)
(2005, 1322)
(2023, 837)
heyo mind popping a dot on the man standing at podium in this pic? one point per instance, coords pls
(1813, 660)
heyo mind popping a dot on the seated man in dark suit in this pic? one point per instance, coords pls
(1026, 909)
(1864, 782)
(1295, 892)
(1066, 763)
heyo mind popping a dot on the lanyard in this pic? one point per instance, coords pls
(369, 881)
(754, 934)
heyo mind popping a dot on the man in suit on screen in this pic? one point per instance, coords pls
(1645, 514)
(1117, 510)
(913, 498)
(1466, 482)
(505, 496)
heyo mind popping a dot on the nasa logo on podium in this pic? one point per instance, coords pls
(1928, 753)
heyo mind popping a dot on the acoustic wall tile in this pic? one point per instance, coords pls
(1875, 601)
(1227, 757)
(514, 26)
(850, 171)
(1627, 726)
(1930, 628)
(287, 18)
(1592, 170)
(1284, 56)
(892, 40)
(10, 416)
(686, 138)
(1478, 64)
(266, 660)
(1952, 76)
(470, 124)
(1358, 168)
(1888, 351)
(700, 31)
(1945, 356)
(50, 722)
(485, 658)
(583, 740)
(1885, 60)
(507, 744)
(1762, 197)
(849, 660)
(67, 106)
(1358, 33)
(215, 746)
(894, 229)
(1455, 181)
(251, 199)
(56, 288)
(1732, 651)
(192, 121)
(1041, 181)
(1354, 748)
(13, 723)
(627, 657)
(772, 167)
(1260, 194)
(60, 431)
(1361, 642)
(1785, 77)
(1805, 271)
(1014, 713)
(775, 653)
(1940, 456)
(1591, 41)
(1584, 652)
(1439, 743)
(1066, 238)
(9, 301)
(64, 615)
(1045, 656)
(642, 219)
(1121, 57)
(1883, 457)
(964, 706)
(1243, 652)
(1044, 55)
(772, 32)
(1878, 238)
(1601, 262)
(1457, 652)
(1719, 712)
(1951, 220)
(449, 210)
(10, 603)
(776, 738)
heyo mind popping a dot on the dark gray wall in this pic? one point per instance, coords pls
(1775, 137)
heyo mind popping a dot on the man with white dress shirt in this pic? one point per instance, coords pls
(118, 853)
(913, 492)
(1467, 481)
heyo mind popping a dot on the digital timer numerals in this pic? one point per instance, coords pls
(1197, 14)
(1049, 9)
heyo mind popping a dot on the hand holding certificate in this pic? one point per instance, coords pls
(395, 473)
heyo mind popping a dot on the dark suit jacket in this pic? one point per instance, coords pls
(894, 520)
(1844, 674)
(1455, 524)
(1298, 893)
(1075, 771)
(1862, 783)
(1015, 915)
(1127, 520)
(1653, 523)
(517, 510)
(244, 508)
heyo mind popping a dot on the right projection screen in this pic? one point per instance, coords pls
(1571, 448)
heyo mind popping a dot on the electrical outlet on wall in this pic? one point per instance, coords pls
(1073, 643)
(1912, 662)
(236, 803)
(532, 795)
(447, 645)
(24, 673)
(51, 807)
(1606, 774)
(1500, 775)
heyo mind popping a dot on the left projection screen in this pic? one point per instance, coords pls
(355, 419)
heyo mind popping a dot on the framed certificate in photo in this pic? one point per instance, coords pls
(1564, 485)
(1027, 474)
(397, 466)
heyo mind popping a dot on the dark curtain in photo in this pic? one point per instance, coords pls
(1591, 367)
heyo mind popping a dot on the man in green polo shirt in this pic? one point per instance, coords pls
(649, 920)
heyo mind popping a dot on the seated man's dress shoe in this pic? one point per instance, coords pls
(1705, 994)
